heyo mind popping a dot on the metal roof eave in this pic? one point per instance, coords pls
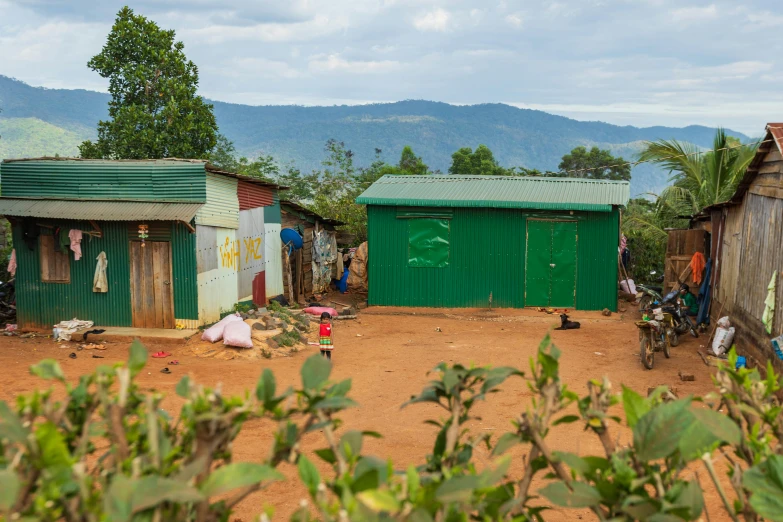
(98, 210)
(529, 205)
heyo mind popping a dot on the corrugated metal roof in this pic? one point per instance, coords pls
(497, 192)
(295, 207)
(99, 210)
(142, 180)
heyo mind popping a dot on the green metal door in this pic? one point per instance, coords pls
(563, 285)
(550, 273)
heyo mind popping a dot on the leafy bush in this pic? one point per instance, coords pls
(156, 469)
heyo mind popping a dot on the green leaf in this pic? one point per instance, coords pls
(340, 389)
(504, 443)
(151, 490)
(327, 455)
(658, 432)
(420, 515)
(567, 419)
(379, 500)
(696, 440)
(573, 461)
(457, 489)
(183, 387)
(9, 489)
(718, 424)
(51, 445)
(450, 379)
(315, 372)
(691, 499)
(10, 426)
(765, 482)
(309, 474)
(266, 387)
(369, 479)
(48, 369)
(582, 496)
(138, 357)
(336, 403)
(238, 475)
(117, 500)
(414, 482)
(634, 405)
(351, 444)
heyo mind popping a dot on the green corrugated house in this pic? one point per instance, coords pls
(454, 241)
(184, 241)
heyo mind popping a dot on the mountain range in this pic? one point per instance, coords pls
(43, 122)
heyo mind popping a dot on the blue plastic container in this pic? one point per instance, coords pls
(342, 283)
(741, 363)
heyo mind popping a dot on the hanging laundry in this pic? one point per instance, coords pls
(64, 241)
(99, 282)
(76, 243)
(697, 267)
(12, 263)
(769, 304)
(30, 233)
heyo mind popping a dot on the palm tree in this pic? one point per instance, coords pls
(699, 179)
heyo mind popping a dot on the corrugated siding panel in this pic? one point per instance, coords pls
(45, 304)
(487, 254)
(98, 210)
(272, 212)
(183, 253)
(222, 206)
(253, 196)
(252, 246)
(105, 180)
(274, 261)
(497, 192)
(217, 288)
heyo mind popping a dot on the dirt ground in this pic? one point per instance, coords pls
(387, 353)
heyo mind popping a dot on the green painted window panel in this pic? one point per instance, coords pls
(563, 282)
(428, 243)
(539, 257)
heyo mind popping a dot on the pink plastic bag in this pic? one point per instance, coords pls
(215, 332)
(238, 334)
(318, 310)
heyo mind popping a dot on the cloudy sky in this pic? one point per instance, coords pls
(638, 62)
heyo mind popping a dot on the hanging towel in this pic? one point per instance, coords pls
(64, 241)
(769, 304)
(99, 283)
(697, 267)
(12, 263)
(76, 243)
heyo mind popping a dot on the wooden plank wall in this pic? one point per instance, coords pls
(306, 263)
(681, 246)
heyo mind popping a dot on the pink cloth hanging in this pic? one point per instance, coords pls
(12, 263)
(76, 243)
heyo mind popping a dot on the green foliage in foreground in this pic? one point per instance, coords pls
(108, 452)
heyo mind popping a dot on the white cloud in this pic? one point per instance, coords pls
(437, 20)
(335, 63)
(688, 15)
(515, 20)
(765, 19)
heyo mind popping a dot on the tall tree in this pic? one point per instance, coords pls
(594, 164)
(154, 109)
(410, 163)
(479, 162)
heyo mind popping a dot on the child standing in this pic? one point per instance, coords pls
(325, 340)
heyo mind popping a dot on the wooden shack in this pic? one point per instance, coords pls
(300, 262)
(681, 246)
(747, 249)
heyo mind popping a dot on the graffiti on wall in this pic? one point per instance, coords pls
(231, 252)
(254, 249)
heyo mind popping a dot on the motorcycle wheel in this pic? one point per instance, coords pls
(644, 303)
(681, 327)
(694, 332)
(674, 339)
(646, 352)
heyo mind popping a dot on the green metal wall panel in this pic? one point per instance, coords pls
(45, 304)
(563, 276)
(538, 281)
(487, 255)
(183, 252)
(161, 181)
(222, 207)
(272, 212)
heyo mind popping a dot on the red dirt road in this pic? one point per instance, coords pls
(387, 353)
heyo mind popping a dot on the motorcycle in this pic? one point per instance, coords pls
(654, 335)
(652, 295)
(682, 321)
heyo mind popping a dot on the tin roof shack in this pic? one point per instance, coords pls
(461, 241)
(208, 233)
(308, 224)
(748, 234)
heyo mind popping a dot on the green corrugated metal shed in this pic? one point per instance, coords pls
(222, 207)
(497, 192)
(99, 210)
(488, 251)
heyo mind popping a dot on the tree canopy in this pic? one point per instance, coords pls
(480, 162)
(594, 164)
(154, 109)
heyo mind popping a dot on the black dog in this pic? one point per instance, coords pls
(565, 324)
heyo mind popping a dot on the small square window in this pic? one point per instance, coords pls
(428, 243)
(55, 266)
